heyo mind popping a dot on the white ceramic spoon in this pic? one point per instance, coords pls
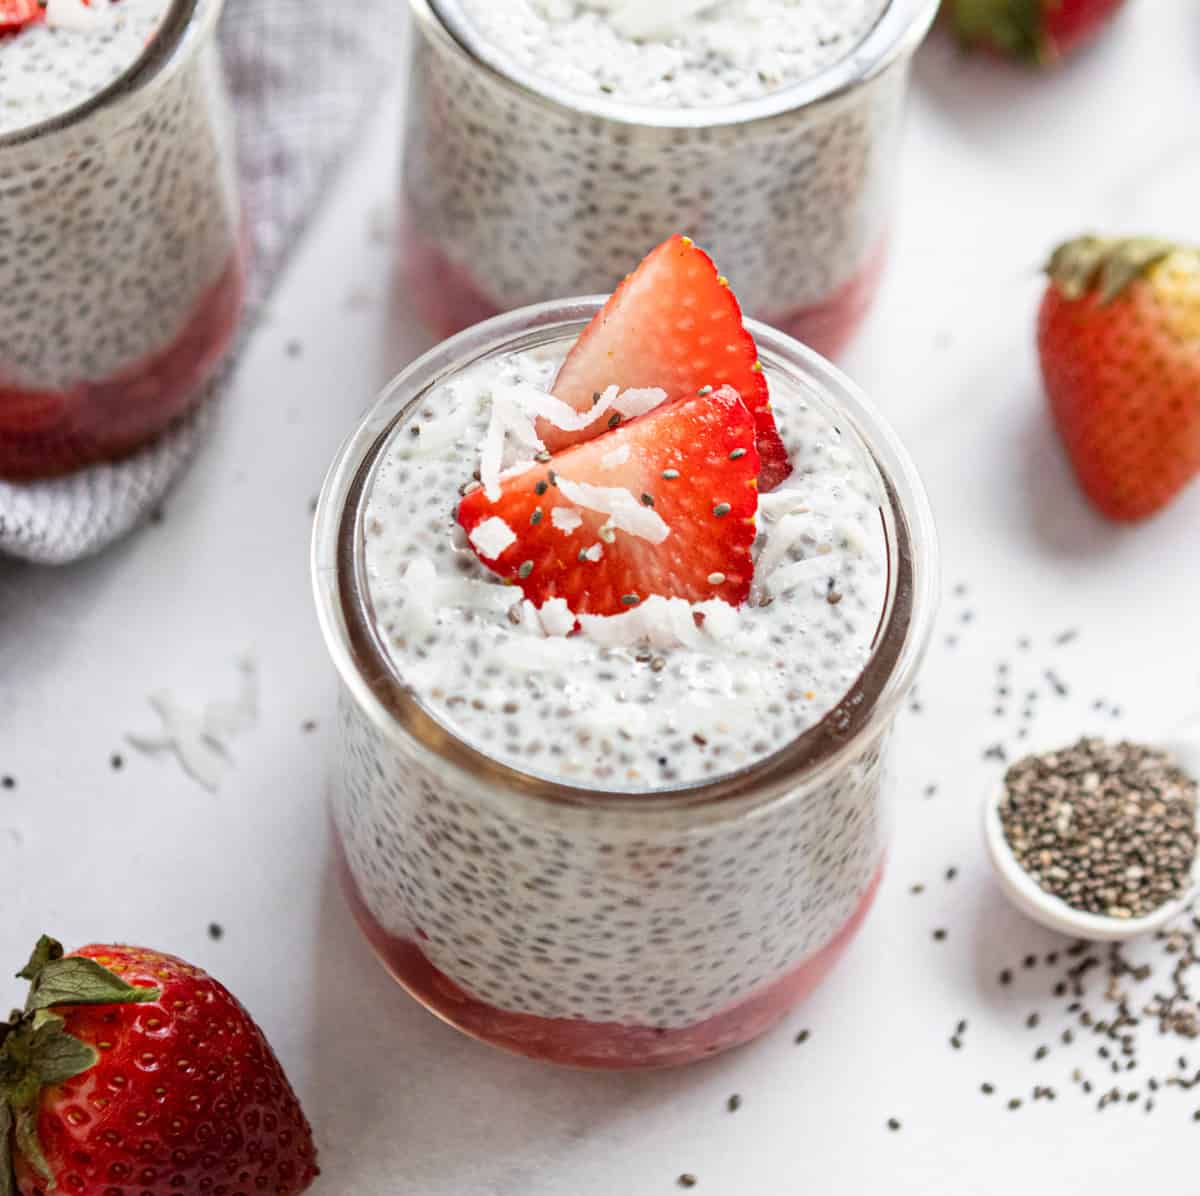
(1032, 900)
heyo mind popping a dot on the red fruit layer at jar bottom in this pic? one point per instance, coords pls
(601, 1045)
(449, 301)
(47, 433)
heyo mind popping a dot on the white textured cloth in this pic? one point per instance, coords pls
(302, 77)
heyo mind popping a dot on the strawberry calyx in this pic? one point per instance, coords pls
(1108, 264)
(1011, 27)
(36, 1052)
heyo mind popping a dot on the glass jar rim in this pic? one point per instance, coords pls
(862, 714)
(174, 31)
(896, 35)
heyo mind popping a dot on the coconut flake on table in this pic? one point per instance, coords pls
(624, 510)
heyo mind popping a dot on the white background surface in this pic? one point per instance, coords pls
(999, 165)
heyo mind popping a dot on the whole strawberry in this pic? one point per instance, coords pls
(132, 1073)
(1038, 32)
(1119, 341)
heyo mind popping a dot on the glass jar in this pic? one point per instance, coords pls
(512, 195)
(122, 261)
(611, 919)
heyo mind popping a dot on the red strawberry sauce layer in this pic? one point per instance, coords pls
(448, 299)
(46, 433)
(601, 1045)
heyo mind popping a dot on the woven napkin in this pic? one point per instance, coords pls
(303, 76)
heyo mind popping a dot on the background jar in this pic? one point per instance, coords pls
(601, 928)
(121, 256)
(512, 195)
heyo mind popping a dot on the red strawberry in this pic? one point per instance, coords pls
(1039, 32)
(133, 1073)
(16, 14)
(672, 324)
(688, 468)
(1119, 338)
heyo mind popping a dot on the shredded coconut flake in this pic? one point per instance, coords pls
(615, 457)
(556, 617)
(566, 519)
(74, 14)
(594, 553)
(492, 537)
(638, 400)
(625, 511)
(660, 21)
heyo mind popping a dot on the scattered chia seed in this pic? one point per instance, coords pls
(802, 1037)
(917, 889)
(734, 1103)
(293, 348)
(686, 1180)
(939, 935)
(116, 761)
(308, 726)
(737, 454)
(525, 570)
(669, 475)
(893, 1124)
(1032, 1020)
(1056, 683)
(1065, 637)
(647, 500)
(8, 782)
(1015, 1103)
(541, 488)
(1108, 828)
(987, 1089)
(216, 931)
(951, 873)
(996, 752)
(1006, 976)
(722, 509)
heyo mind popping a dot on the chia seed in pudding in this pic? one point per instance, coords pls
(596, 129)
(120, 234)
(622, 930)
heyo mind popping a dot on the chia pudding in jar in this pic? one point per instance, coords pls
(548, 141)
(630, 839)
(121, 251)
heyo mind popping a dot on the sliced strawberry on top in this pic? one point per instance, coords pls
(674, 324)
(16, 14)
(664, 504)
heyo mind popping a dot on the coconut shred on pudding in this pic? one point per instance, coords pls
(671, 53)
(617, 605)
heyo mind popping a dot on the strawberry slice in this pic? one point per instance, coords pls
(674, 324)
(664, 504)
(16, 14)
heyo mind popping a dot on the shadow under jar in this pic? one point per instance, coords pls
(122, 259)
(532, 905)
(521, 182)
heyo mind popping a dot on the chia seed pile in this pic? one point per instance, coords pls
(1109, 828)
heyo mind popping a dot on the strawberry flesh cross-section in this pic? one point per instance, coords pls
(663, 504)
(674, 324)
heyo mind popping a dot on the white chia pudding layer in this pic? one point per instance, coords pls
(528, 200)
(56, 64)
(113, 227)
(638, 700)
(636, 914)
(670, 53)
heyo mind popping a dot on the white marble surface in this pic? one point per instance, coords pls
(999, 165)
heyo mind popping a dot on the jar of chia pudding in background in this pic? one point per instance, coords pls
(545, 147)
(121, 250)
(646, 897)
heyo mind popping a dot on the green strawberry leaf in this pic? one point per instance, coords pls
(29, 1146)
(54, 1055)
(80, 981)
(45, 952)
